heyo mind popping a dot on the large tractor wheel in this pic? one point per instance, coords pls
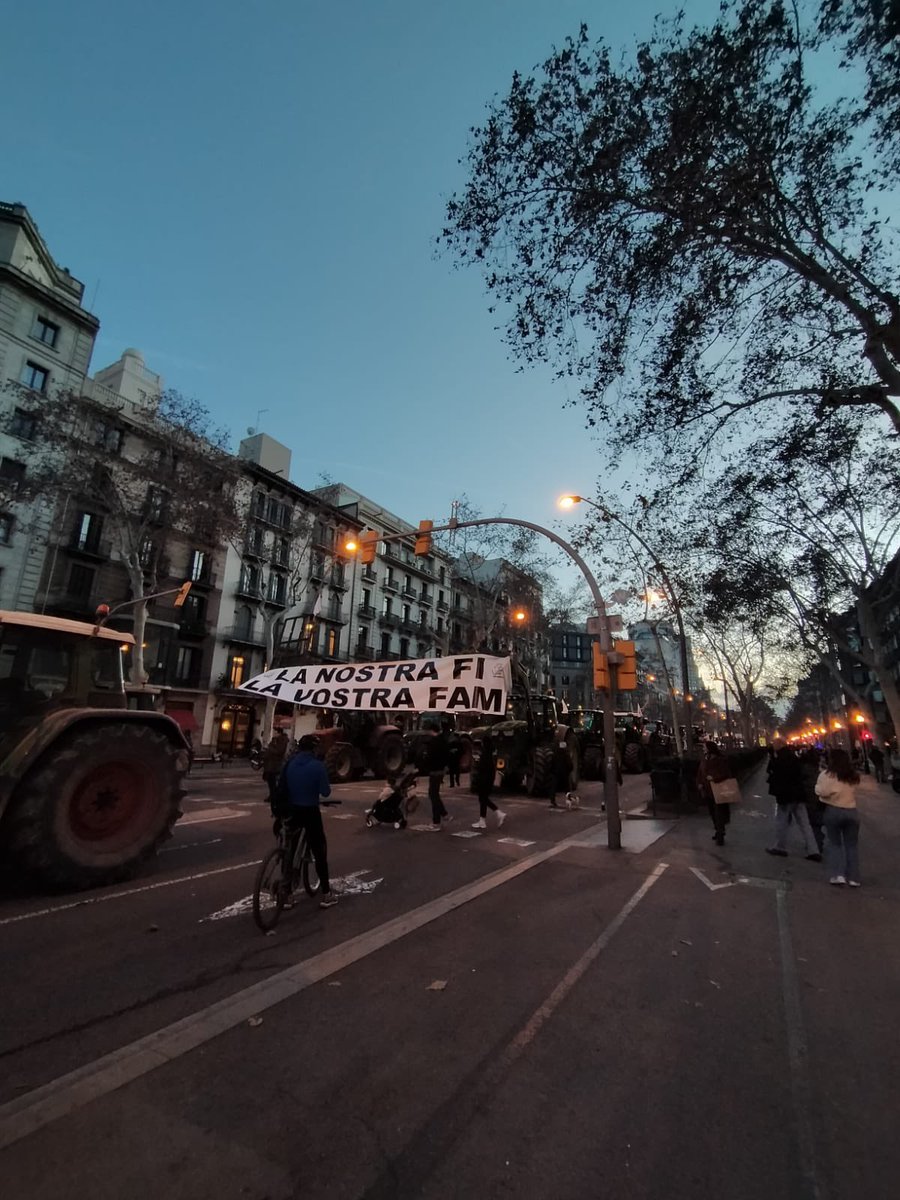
(339, 762)
(632, 759)
(593, 766)
(100, 803)
(539, 773)
(390, 756)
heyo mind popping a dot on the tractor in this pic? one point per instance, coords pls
(534, 747)
(428, 725)
(632, 748)
(359, 742)
(89, 789)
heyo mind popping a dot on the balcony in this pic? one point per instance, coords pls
(206, 579)
(410, 593)
(243, 636)
(95, 549)
(426, 597)
(193, 629)
(369, 576)
(364, 653)
(391, 585)
(365, 610)
(391, 620)
(443, 606)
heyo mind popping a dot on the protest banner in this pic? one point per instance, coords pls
(457, 683)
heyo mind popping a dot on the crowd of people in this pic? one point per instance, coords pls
(815, 794)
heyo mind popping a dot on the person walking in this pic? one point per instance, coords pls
(304, 784)
(273, 761)
(714, 768)
(435, 757)
(815, 809)
(454, 756)
(876, 757)
(836, 788)
(786, 785)
(482, 779)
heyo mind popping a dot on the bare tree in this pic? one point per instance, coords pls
(153, 475)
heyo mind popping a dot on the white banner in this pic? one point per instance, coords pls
(458, 683)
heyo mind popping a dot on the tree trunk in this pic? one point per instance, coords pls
(138, 672)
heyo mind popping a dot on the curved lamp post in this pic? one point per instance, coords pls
(569, 501)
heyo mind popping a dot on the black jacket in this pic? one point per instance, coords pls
(786, 779)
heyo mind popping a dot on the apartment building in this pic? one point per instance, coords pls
(46, 341)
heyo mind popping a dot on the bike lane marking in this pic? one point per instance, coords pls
(41, 1107)
(107, 896)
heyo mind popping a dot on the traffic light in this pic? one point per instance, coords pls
(368, 545)
(601, 668)
(626, 675)
(423, 538)
(182, 594)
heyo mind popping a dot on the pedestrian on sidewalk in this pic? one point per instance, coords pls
(810, 766)
(786, 785)
(836, 787)
(714, 768)
(435, 757)
(273, 761)
(876, 757)
(482, 779)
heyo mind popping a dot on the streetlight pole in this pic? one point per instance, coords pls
(567, 502)
(611, 782)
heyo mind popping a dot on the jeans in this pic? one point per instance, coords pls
(842, 829)
(485, 802)
(435, 779)
(783, 815)
(721, 816)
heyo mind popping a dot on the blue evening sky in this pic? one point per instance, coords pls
(251, 194)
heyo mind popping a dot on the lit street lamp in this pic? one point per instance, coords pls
(569, 501)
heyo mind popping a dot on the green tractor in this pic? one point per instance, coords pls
(359, 742)
(632, 750)
(89, 789)
(536, 750)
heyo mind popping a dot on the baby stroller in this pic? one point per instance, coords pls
(396, 800)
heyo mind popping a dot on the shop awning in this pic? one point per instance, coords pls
(184, 718)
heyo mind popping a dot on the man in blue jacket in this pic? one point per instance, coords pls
(304, 784)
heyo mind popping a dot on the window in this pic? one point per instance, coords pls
(388, 606)
(86, 535)
(185, 664)
(362, 637)
(407, 614)
(250, 580)
(277, 588)
(338, 575)
(331, 643)
(277, 513)
(81, 581)
(440, 624)
(385, 644)
(442, 575)
(45, 331)
(197, 566)
(255, 540)
(389, 578)
(367, 597)
(109, 436)
(236, 670)
(407, 583)
(7, 524)
(423, 616)
(282, 551)
(243, 623)
(317, 570)
(12, 473)
(23, 425)
(423, 650)
(156, 504)
(35, 376)
(404, 647)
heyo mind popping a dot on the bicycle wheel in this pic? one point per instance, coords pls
(270, 890)
(308, 872)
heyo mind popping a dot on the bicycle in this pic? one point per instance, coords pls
(286, 866)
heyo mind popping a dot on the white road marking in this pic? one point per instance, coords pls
(41, 1107)
(346, 885)
(713, 887)
(206, 820)
(106, 896)
(190, 845)
(467, 833)
(508, 841)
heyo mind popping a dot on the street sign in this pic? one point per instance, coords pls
(615, 624)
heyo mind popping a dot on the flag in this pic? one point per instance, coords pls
(317, 607)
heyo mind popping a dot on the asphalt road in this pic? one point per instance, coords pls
(516, 1013)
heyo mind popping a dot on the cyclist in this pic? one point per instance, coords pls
(304, 781)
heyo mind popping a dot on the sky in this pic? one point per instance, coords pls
(251, 195)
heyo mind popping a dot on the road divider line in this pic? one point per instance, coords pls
(147, 887)
(41, 1107)
(189, 845)
(208, 820)
(531, 1028)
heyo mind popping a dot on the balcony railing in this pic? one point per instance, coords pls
(246, 636)
(194, 629)
(390, 585)
(391, 619)
(443, 606)
(94, 548)
(365, 610)
(426, 597)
